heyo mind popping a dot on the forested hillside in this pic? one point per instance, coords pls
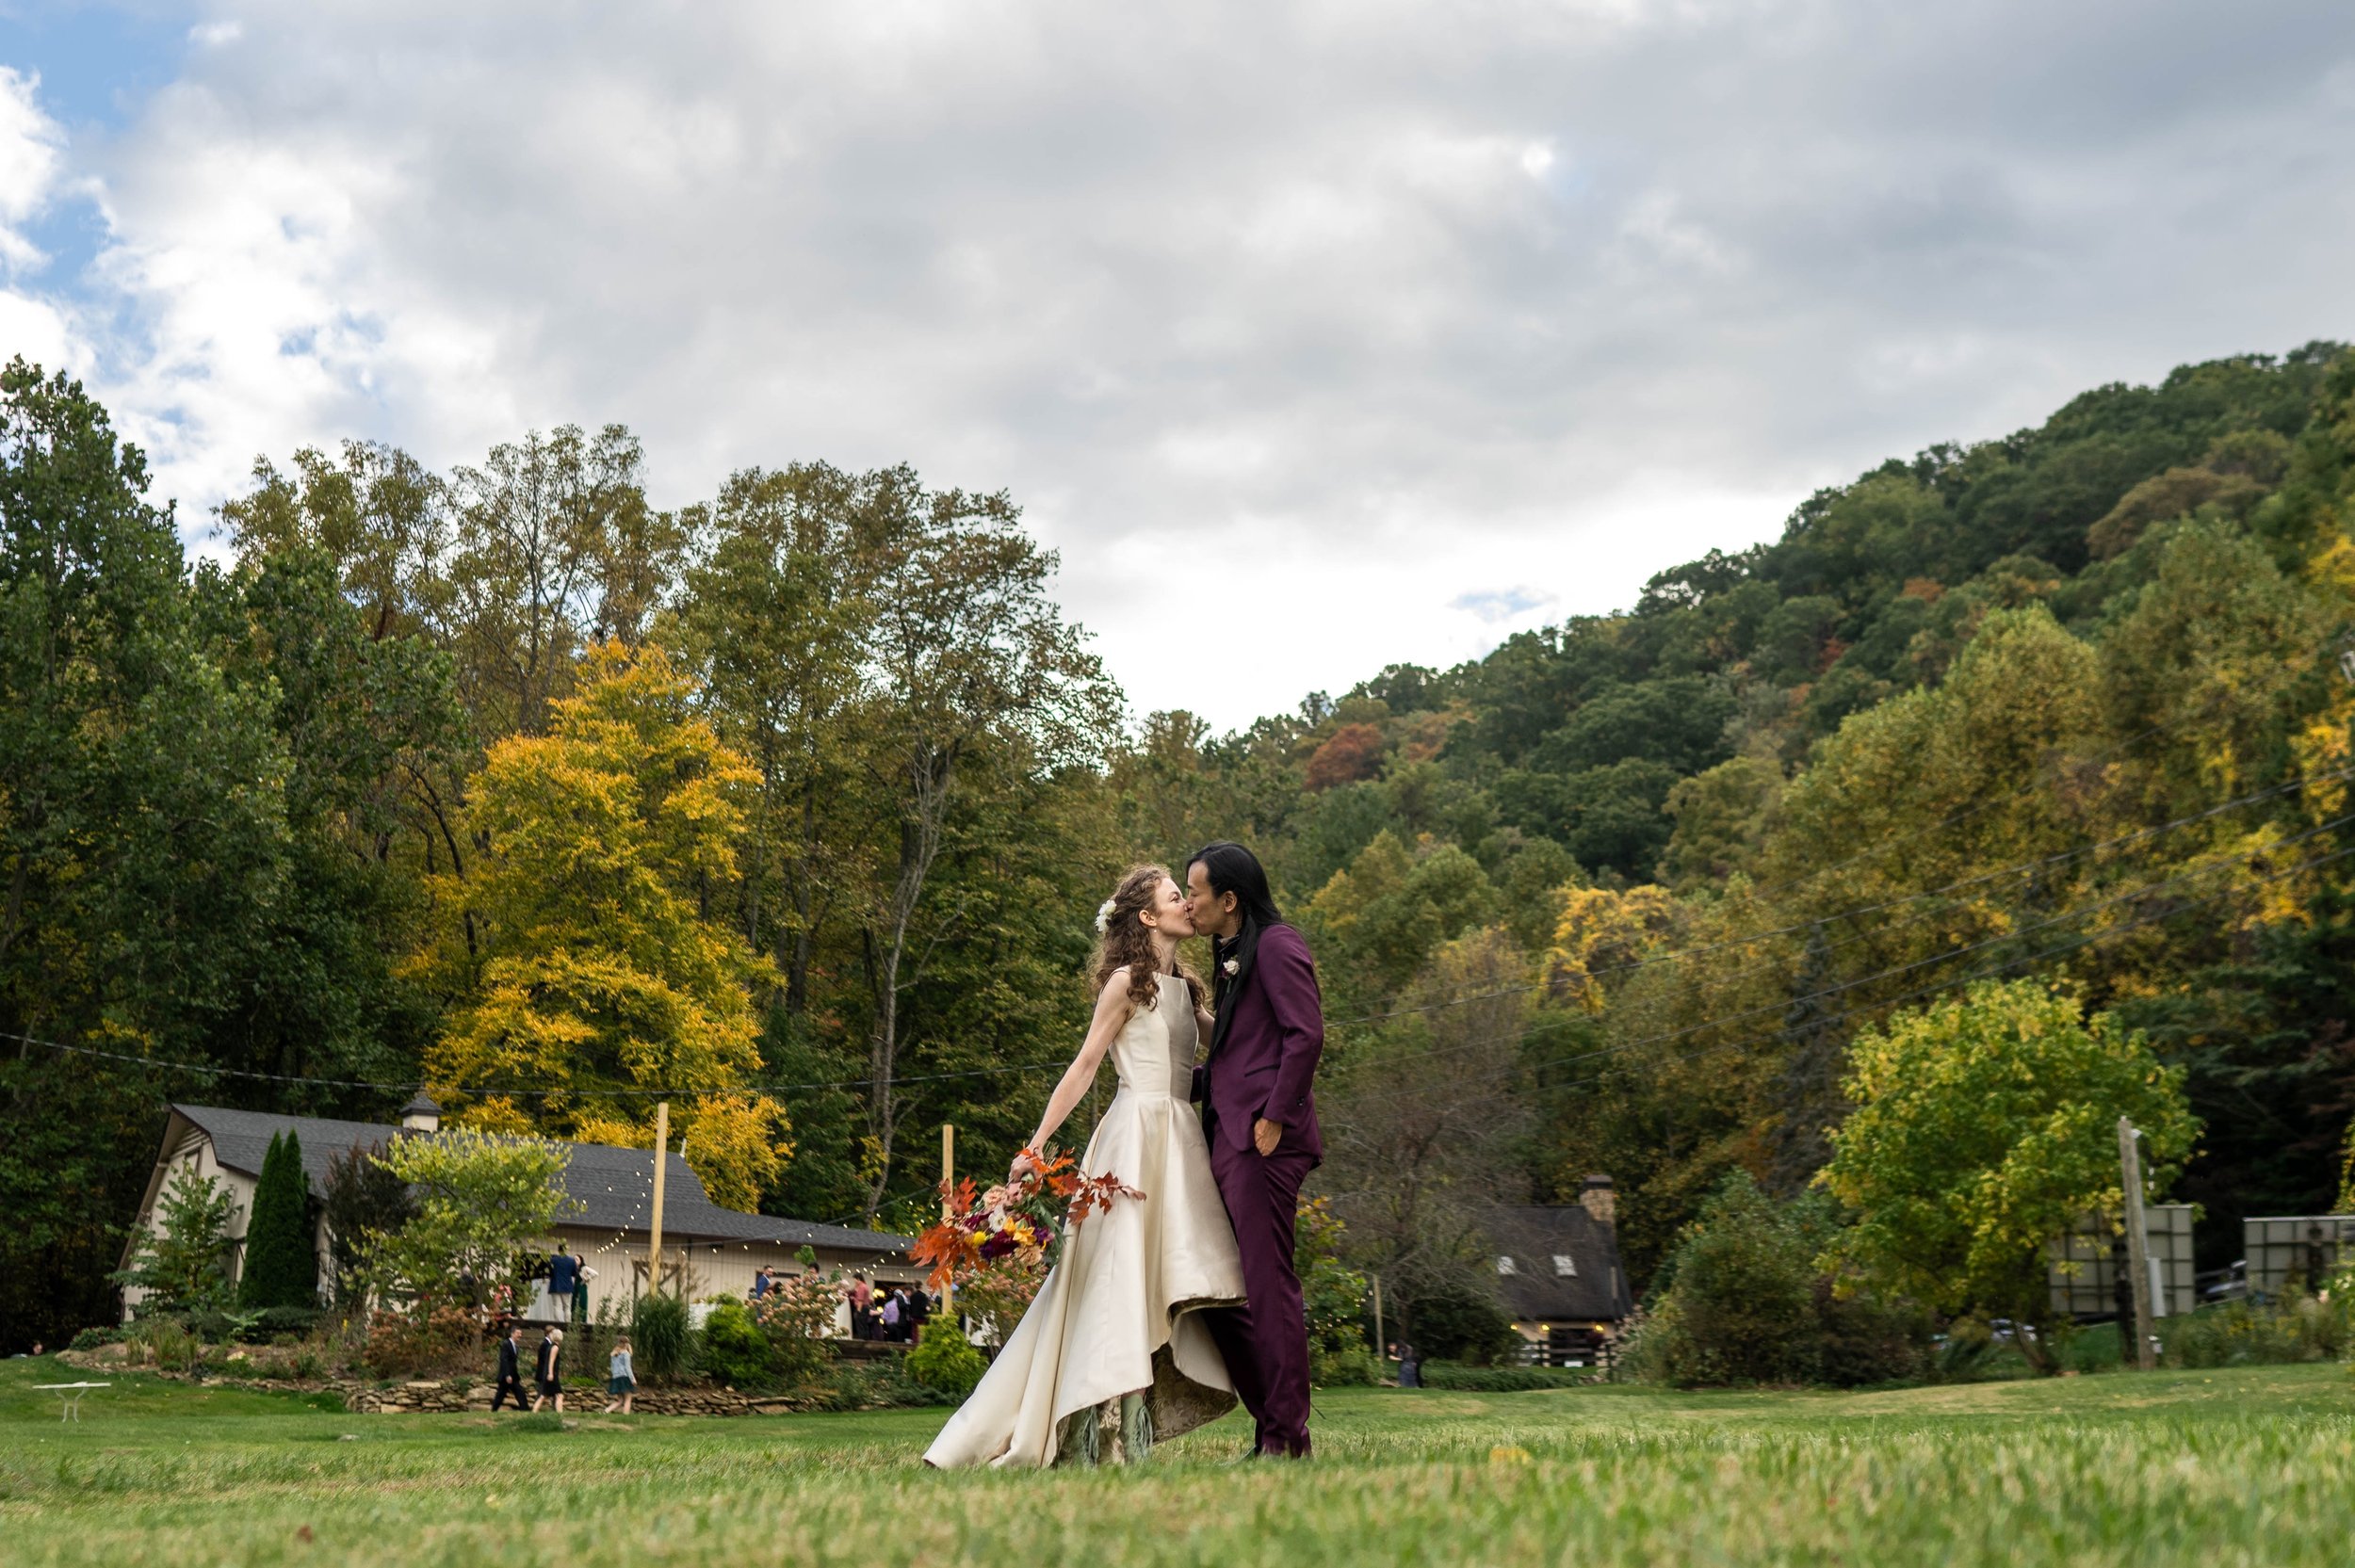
(2062, 703)
(794, 807)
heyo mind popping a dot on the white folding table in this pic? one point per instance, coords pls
(69, 1395)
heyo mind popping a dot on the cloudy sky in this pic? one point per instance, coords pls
(1373, 330)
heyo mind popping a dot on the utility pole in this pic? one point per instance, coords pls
(662, 1147)
(2137, 1241)
(947, 1184)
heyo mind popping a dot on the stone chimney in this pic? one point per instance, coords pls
(421, 1114)
(1600, 1199)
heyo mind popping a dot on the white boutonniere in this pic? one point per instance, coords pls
(1232, 968)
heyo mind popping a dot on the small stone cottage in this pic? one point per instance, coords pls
(705, 1249)
(1558, 1274)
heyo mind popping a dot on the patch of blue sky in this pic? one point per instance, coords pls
(97, 67)
(97, 63)
(1498, 605)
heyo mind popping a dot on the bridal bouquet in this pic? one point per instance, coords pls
(996, 1246)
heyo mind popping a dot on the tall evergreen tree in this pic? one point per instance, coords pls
(281, 1268)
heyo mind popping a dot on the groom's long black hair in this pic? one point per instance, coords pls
(1232, 868)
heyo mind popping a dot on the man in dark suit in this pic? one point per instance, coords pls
(511, 1371)
(1259, 1114)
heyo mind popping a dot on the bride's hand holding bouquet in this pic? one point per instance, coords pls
(994, 1247)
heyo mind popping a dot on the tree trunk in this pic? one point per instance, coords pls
(932, 773)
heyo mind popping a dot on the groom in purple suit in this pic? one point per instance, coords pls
(1261, 1117)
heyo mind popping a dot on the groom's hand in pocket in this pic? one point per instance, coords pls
(1265, 1134)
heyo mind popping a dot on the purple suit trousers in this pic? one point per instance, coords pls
(1262, 1064)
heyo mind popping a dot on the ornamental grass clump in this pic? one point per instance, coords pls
(2293, 1328)
(659, 1331)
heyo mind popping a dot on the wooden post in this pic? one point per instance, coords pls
(947, 1184)
(1381, 1340)
(2138, 1241)
(661, 1158)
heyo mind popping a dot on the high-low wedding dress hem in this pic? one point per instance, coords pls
(1120, 1312)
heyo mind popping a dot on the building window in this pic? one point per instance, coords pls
(1564, 1266)
(1504, 1265)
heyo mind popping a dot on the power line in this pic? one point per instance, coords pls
(2028, 866)
(2145, 890)
(2061, 951)
(415, 1085)
(637, 1093)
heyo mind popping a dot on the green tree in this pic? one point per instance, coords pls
(1985, 1126)
(183, 1261)
(553, 548)
(1740, 1303)
(1333, 1293)
(142, 847)
(479, 1196)
(976, 680)
(281, 1268)
(360, 1198)
(771, 623)
(1422, 1126)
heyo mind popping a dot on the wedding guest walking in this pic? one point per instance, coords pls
(510, 1370)
(622, 1381)
(547, 1367)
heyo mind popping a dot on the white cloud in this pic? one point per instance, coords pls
(33, 175)
(1351, 312)
(32, 150)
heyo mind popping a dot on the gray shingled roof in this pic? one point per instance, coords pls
(612, 1189)
(1532, 1236)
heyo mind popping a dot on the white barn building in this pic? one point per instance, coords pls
(705, 1249)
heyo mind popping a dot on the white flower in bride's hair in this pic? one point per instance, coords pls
(1232, 968)
(1103, 916)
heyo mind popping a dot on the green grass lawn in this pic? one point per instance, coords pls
(2223, 1467)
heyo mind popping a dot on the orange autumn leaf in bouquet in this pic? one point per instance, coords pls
(1015, 1229)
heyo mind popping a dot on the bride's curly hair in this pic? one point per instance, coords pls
(1125, 940)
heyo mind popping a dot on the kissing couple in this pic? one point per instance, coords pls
(1163, 1309)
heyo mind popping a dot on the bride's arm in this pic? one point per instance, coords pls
(1112, 1016)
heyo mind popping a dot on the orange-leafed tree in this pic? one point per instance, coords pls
(1352, 753)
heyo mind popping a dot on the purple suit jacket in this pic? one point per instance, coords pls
(1263, 1055)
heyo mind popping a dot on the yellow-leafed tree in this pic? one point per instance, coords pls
(599, 975)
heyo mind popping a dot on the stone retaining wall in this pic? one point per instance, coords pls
(423, 1396)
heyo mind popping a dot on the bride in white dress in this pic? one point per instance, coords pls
(1113, 1354)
